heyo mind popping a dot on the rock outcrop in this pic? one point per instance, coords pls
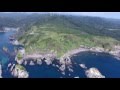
(15, 42)
(12, 67)
(65, 63)
(9, 65)
(20, 72)
(19, 61)
(20, 56)
(38, 58)
(32, 63)
(83, 66)
(25, 62)
(93, 73)
(116, 52)
(49, 58)
(39, 61)
(62, 68)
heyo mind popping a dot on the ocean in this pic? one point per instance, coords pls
(105, 63)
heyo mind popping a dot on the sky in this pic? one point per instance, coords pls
(115, 15)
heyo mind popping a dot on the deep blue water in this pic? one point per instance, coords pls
(4, 42)
(106, 64)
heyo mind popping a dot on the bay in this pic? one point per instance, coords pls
(105, 63)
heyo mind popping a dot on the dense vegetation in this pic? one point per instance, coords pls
(19, 56)
(18, 66)
(63, 33)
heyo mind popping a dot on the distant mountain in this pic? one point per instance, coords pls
(13, 15)
(61, 33)
(7, 22)
(91, 25)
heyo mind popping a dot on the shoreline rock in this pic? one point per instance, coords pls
(70, 69)
(65, 60)
(12, 67)
(15, 42)
(25, 62)
(115, 52)
(83, 66)
(62, 68)
(9, 65)
(93, 73)
(19, 61)
(39, 61)
(19, 72)
(31, 63)
(48, 62)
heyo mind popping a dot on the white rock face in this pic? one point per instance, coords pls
(70, 69)
(15, 42)
(23, 74)
(25, 62)
(39, 61)
(62, 67)
(9, 65)
(32, 63)
(93, 73)
(11, 68)
(83, 66)
(20, 73)
(48, 61)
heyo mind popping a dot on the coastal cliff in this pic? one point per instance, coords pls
(59, 38)
(20, 72)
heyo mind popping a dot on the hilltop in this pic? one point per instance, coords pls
(60, 34)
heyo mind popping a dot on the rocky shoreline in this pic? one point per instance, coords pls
(115, 52)
(91, 72)
(19, 72)
(64, 62)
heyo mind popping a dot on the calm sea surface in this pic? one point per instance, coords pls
(106, 64)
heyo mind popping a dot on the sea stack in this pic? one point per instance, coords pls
(20, 72)
(94, 73)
